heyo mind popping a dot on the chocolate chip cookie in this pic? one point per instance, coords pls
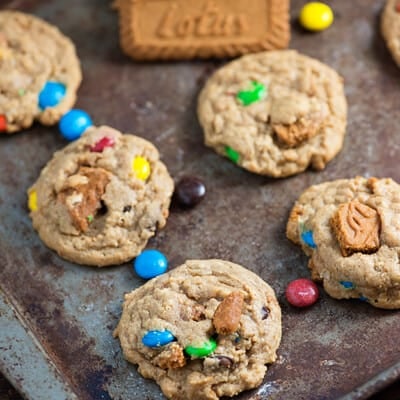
(99, 200)
(39, 72)
(390, 28)
(202, 331)
(350, 228)
(274, 113)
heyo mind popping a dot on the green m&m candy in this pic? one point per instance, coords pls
(202, 351)
(256, 92)
(233, 155)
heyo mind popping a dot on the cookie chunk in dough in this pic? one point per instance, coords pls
(274, 113)
(390, 28)
(100, 199)
(39, 72)
(350, 228)
(202, 331)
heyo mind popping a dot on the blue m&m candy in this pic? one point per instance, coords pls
(51, 94)
(347, 284)
(150, 263)
(157, 338)
(308, 238)
(74, 123)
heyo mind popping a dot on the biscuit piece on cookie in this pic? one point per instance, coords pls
(34, 53)
(100, 199)
(390, 28)
(350, 228)
(218, 324)
(274, 113)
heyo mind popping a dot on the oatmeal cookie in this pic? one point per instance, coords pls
(350, 228)
(202, 331)
(99, 200)
(390, 28)
(274, 113)
(39, 72)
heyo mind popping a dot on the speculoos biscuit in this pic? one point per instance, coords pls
(185, 29)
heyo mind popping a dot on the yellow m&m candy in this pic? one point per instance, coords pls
(32, 200)
(141, 168)
(316, 16)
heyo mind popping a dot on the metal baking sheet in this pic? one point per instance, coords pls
(57, 318)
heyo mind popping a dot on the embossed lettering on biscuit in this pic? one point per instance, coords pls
(357, 228)
(208, 22)
(82, 195)
(227, 315)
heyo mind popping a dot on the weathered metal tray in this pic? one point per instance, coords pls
(56, 318)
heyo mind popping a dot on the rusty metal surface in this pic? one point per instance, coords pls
(334, 349)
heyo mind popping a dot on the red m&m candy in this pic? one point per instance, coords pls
(104, 142)
(302, 292)
(3, 123)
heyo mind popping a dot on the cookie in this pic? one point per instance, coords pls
(185, 29)
(350, 228)
(99, 200)
(202, 331)
(39, 72)
(390, 28)
(274, 113)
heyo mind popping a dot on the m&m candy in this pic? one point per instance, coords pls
(308, 238)
(100, 145)
(233, 155)
(141, 168)
(207, 348)
(51, 94)
(347, 284)
(32, 200)
(302, 292)
(3, 123)
(150, 263)
(156, 338)
(190, 191)
(74, 123)
(256, 92)
(316, 16)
